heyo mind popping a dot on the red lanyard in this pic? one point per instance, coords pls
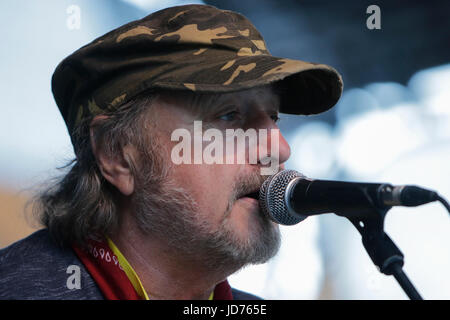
(104, 267)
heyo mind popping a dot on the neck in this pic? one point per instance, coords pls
(164, 272)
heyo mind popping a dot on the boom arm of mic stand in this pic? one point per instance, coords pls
(382, 250)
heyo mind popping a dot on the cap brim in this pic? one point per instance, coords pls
(306, 88)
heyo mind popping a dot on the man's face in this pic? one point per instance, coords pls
(225, 221)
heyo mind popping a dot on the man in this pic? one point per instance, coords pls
(130, 221)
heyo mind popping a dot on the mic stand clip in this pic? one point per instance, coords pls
(382, 250)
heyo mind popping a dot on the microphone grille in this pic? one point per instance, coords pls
(272, 197)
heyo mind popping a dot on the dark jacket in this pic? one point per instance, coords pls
(37, 268)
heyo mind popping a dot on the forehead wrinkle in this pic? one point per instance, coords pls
(204, 105)
(195, 104)
(266, 98)
(208, 104)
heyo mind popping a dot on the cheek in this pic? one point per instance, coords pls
(209, 185)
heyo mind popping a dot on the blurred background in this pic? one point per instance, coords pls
(392, 124)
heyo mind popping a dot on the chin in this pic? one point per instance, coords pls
(245, 218)
(244, 238)
(248, 224)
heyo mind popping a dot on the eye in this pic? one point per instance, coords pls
(275, 118)
(229, 116)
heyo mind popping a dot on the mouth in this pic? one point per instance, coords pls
(252, 196)
(248, 190)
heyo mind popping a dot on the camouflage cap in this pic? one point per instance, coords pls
(192, 47)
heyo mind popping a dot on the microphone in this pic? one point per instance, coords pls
(289, 197)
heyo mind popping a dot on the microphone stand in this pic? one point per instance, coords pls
(381, 249)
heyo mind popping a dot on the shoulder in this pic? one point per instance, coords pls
(37, 268)
(242, 295)
(36, 241)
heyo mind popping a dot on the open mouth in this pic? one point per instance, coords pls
(253, 195)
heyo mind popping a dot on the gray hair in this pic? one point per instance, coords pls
(83, 204)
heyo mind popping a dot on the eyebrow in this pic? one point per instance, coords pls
(227, 103)
(208, 105)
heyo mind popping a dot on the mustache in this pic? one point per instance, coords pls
(248, 184)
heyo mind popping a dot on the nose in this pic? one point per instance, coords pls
(273, 145)
(285, 149)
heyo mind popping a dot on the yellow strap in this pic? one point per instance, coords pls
(131, 274)
(129, 271)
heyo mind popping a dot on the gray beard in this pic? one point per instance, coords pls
(169, 213)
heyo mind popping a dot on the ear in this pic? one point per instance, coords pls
(114, 169)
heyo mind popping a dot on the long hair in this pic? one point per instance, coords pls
(83, 204)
